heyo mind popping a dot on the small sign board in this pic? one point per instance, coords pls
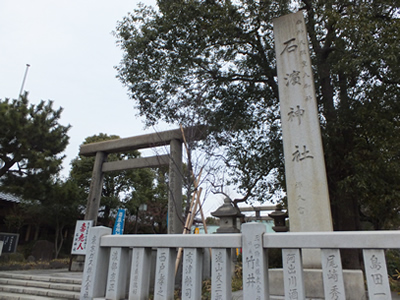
(119, 222)
(10, 242)
(80, 236)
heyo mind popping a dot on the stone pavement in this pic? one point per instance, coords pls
(64, 273)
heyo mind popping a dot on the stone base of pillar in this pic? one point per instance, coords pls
(353, 282)
(77, 263)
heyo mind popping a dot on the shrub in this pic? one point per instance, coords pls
(22, 265)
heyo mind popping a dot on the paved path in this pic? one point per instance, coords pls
(64, 273)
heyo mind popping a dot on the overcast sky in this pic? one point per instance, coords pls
(72, 54)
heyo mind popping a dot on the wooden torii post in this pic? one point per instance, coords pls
(173, 138)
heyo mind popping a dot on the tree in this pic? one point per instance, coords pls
(31, 144)
(58, 209)
(115, 184)
(125, 189)
(212, 62)
(147, 204)
(64, 206)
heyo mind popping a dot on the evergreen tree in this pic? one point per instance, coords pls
(212, 62)
(125, 189)
(31, 143)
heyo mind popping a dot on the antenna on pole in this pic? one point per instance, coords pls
(23, 81)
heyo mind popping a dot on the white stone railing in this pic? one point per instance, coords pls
(118, 266)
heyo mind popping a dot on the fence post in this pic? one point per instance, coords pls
(96, 264)
(191, 274)
(140, 273)
(221, 276)
(255, 262)
(165, 274)
(332, 273)
(117, 273)
(293, 274)
(376, 274)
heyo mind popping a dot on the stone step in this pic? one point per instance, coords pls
(25, 287)
(41, 284)
(43, 292)
(52, 279)
(13, 296)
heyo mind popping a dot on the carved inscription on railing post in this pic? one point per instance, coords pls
(117, 272)
(376, 274)
(332, 274)
(96, 263)
(165, 274)
(255, 264)
(191, 288)
(293, 274)
(221, 286)
(140, 273)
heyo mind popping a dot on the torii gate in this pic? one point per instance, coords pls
(173, 138)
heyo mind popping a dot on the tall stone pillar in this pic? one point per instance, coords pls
(306, 182)
(175, 225)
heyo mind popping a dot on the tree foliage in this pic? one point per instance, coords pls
(31, 143)
(212, 62)
(115, 184)
(153, 193)
(125, 189)
(59, 209)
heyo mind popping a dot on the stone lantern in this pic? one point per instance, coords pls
(228, 215)
(279, 219)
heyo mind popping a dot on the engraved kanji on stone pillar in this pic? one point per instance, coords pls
(307, 188)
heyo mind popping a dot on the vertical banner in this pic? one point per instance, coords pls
(80, 236)
(119, 222)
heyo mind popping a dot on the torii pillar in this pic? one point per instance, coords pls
(173, 138)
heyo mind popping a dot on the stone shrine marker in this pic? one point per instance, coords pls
(307, 188)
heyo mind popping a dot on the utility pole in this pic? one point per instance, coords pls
(23, 81)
